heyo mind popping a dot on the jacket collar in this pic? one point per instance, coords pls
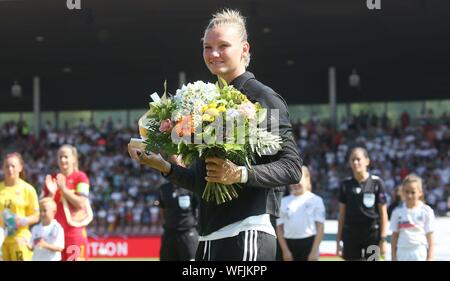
(239, 81)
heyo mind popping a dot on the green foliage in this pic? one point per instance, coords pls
(204, 112)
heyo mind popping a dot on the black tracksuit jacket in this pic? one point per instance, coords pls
(267, 178)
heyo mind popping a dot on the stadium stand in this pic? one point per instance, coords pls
(124, 197)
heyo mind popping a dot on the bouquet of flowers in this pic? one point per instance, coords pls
(203, 120)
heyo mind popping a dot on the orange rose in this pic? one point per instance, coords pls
(185, 127)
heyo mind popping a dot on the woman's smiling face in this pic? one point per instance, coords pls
(224, 51)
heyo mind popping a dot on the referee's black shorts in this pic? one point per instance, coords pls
(179, 245)
(360, 241)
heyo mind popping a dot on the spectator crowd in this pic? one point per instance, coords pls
(124, 197)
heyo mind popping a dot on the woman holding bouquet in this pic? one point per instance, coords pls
(239, 229)
(70, 190)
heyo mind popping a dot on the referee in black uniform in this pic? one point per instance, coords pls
(363, 222)
(179, 210)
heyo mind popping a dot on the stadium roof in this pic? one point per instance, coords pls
(113, 54)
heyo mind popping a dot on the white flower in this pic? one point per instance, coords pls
(232, 113)
(192, 97)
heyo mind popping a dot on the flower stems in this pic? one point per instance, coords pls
(220, 193)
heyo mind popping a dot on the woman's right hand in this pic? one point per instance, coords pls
(151, 160)
(51, 185)
(287, 255)
(339, 248)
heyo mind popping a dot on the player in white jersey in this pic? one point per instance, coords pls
(412, 224)
(300, 226)
(47, 237)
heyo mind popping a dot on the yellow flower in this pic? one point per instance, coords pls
(207, 118)
(221, 108)
(212, 112)
(212, 105)
(242, 97)
(204, 108)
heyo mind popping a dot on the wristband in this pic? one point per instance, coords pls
(244, 174)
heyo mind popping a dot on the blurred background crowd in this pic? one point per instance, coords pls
(124, 196)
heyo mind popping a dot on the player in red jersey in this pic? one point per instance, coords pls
(70, 190)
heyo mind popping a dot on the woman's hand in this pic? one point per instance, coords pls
(151, 160)
(222, 171)
(61, 181)
(383, 247)
(287, 255)
(339, 250)
(20, 221)
(313, 255)
(21, 241)
(51, 185)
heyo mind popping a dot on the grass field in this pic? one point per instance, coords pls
(330, 259)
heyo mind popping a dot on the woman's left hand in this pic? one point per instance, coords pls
(222, 171)
(20, 221)
(383, 246)
(61, 181)
(313, 255)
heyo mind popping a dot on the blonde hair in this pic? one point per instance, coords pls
(48, 200)
(74, 151)
(234, 17)
(307, 177)
(413, 178)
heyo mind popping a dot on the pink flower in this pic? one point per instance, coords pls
(248, 109)
(165, 126)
